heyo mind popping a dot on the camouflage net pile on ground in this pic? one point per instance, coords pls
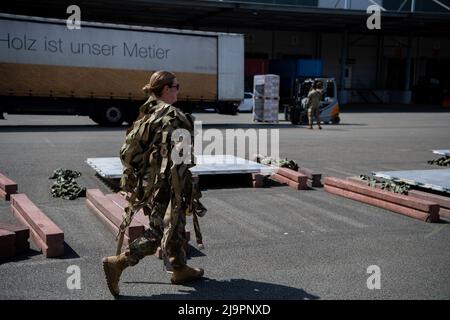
(443, 161)
(388, 185)
(283, 163)
(65, 185)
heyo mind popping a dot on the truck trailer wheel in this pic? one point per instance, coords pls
(335, 120)
(294, 116)
(227, 109)
(109, 116)
(287, 113)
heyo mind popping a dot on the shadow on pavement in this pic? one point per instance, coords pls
(69, 253)
(21, 257)
(234, 289)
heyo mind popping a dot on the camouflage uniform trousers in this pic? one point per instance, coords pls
(313, 111)
(151, 240)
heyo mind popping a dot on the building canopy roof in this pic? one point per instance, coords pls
(211, 14)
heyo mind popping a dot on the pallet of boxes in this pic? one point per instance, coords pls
(266, 90)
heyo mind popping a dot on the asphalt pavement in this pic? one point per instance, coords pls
(269, 243)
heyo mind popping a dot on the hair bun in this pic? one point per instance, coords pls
(147, 88)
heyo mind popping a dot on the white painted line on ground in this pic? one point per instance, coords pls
(334, 216)
(341, 171)
(51, 144)
(308, 219)
(436, 230)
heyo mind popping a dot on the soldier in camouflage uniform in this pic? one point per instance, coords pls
(157, 184)
(314, 97)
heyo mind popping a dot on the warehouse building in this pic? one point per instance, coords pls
(404, 59)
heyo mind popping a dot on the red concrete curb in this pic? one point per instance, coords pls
(7, 241)
(257, 180)
(114, 230)
(7, 187)
(440, 200)
(382, 204)
(289, 182)
(293, 175)
(444, 213)
(314, 179)
(44, 232)
(113, 213)
(121, 202)
(22, 235)
(410, 202)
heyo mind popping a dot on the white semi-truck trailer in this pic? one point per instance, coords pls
(100, 69)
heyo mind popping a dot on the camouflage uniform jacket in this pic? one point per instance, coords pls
(149, 170)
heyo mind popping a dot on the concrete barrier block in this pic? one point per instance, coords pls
(289, 182)
(410, 202)
(22, 235)
(257, 180)
(413, 213)
(444, 202)
(7, 244)
(113, 228)
(121, 202)
(444, 213)
(113, 213)
(293, 175)
(7, 187)
(315, 178)
(45, 233)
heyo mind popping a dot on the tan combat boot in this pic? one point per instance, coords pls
(113, 267)
(185, 274)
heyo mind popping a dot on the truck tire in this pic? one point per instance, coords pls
(304, 117)
(287, 114)
(335, 120)
(294, 116)
(131, 116)
(109, 116)
(227, 109)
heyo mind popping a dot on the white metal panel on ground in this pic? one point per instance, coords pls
(231, 67)
(206, 165)
(436, 179)
(444, 152)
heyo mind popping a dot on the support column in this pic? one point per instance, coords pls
(407, 85)
(413, 5)
(380, 53)
(344, 52)
(318, 45)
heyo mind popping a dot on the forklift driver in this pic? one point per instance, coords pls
(314, 97)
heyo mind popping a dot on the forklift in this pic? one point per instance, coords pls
(297, 111)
